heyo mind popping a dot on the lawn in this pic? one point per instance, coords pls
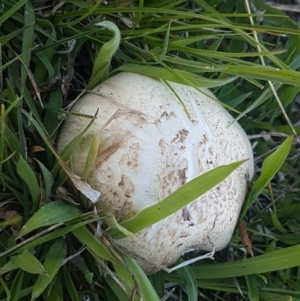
(54, 244)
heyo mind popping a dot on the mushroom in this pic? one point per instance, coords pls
(154, 137)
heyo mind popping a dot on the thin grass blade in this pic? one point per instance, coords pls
(70, 285)
(177, 200)
(175, 75)
(28, 38)
(27, 175)
(274, 261)
(48, 180)
(12, 11)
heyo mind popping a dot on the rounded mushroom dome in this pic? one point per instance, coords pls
(153, 138)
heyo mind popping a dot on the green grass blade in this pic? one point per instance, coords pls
(112, 222)
(85, 15)
(17, 286)
(70, 285)
(2, 136)
(157, 280)
(44, 56)
(27, 175)
(52, 265)
(28, 38)
(102, 63)
(189, 280)
(51, 120)
(47, 237)
(147, 291)
(5, 289)
(177, 200)
(270, 167)
(27, 262)
(91, 157)
(54, 212)
(9, 266)
(48, 180)
(86, 237)
(252, 288)
(274, 261)
(123, 274)
(118, 291)
(55, 290)
(175, 75)
(12, 11)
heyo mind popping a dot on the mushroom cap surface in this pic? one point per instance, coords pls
(150, 148)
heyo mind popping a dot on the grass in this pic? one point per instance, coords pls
(51, 52)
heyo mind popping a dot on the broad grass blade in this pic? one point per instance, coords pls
(123, 274)
(29, 263)
(52, 265)
(54, 212)
(177, 200)
(270, 167)
(189, 280)
(252, 288)
(146, 290)
(86, 237)
(102, 63)
(9, 266)
(121, 294)
(46, 236)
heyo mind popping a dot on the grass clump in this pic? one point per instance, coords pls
(52, 51)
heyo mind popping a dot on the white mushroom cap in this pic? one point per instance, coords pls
(151, 149)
